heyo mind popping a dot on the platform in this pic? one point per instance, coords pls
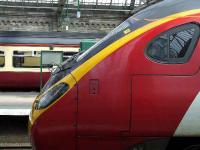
(16, 103)
(14, 133)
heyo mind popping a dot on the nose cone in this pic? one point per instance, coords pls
(54, 127)
(31, 130)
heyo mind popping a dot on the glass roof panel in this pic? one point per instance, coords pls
(102, 2)
(84, 2)
(139, 2)
(31, 1)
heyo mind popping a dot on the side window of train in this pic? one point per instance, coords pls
(2, 59)
(26, 59)
(174, 46)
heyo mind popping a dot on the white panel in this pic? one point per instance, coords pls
(52, 58)
(190, 124)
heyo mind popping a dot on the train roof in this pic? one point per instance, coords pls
(167, 8)
(16, 37)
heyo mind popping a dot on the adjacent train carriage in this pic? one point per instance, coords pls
(20, 55)
(136, 89)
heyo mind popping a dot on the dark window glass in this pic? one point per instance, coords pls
(180, 42)
(158, 48)
(31, 59)
(26, 59)
(175, 45)
(2, 59)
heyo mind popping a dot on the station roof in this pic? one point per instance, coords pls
(93, 4)
(82, 2)
(59, 14)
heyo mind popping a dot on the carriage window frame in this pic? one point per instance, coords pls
(33, 54)
(190, 50)
(2, 55)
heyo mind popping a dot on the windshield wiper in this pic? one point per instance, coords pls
(67, 64)
(53, 67)
(75, 56)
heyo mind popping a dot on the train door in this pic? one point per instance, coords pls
(104, 100)
(163, 92)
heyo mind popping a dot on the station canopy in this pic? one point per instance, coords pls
(93, 4)
(83, 2)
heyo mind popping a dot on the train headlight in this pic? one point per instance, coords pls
(52, 95)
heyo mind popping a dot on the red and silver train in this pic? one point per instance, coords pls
(136, 89)
(20, 56)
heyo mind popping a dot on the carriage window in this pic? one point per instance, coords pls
(2, 59)
(26, 59)
(175, 45)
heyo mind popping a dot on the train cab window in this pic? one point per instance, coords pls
(175, 45)
(26, 59)
(158, 48)
(2, 59)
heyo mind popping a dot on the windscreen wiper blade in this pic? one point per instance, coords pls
(53, 67)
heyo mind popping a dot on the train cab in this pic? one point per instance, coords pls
(136, 89)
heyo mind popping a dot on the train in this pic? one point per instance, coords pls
(20, 56)
(136, 89)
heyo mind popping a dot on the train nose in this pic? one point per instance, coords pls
(34, 114)
(48, 124)
(30, 128)
(53, 130)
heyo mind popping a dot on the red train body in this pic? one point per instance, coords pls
(137, 89)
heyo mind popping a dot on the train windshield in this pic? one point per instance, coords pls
(117, 30)
(126, 27)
